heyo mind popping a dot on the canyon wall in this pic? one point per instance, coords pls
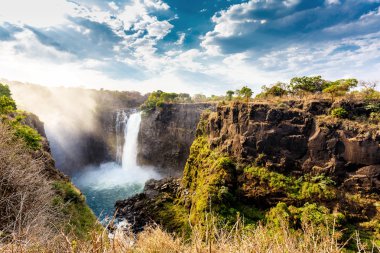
(298, 138)
(166, 135)
(260, 159)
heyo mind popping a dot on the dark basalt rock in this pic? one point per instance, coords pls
(166, 135)
(295, 139)
(141, 209)
(291, 139)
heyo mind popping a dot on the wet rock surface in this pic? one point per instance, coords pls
(141, 209)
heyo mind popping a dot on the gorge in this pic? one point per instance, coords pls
(177, 164)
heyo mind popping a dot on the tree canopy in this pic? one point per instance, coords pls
(245, 92)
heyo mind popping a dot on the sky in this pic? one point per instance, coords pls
(197, 46)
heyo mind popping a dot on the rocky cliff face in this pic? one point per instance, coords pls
(259, 161)
(298, 138)
(166, 135)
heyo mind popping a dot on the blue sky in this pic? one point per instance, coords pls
(193, 46)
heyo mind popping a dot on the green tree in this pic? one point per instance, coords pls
(199, 98)
(245, 92)
(340, 87)
(7, 104)
(276, 90)
(5, 91)
(184, 97)
(301, 85)
(229, 94)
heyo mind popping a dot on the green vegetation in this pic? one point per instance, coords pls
(229, 94)
(78, 218)
(158, 98)
(339, 113)
(7, 104)
(301, 85)
(245, 93)
(207, 176)
(16, 119)
(260, 182)
(5, 91)
(276, 90)
(340, 87)
(315, 214)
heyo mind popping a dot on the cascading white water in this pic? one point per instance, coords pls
(111, 181)
(131, 132)
(120, 124)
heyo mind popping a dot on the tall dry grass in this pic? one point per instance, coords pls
(209, 239)
(25, 193)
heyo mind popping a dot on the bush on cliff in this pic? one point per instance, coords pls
(78, 219)
(339, 113)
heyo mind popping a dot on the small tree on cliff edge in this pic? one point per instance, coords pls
(245, 92)
(229, 94)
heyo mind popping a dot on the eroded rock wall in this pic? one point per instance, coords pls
(166, 135)
(296, 138)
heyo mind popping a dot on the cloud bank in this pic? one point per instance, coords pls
(201, 47)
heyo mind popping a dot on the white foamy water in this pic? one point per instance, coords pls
(103, 185)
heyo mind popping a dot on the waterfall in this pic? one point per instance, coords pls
(120, 124)
(131, 132)
(111, 181)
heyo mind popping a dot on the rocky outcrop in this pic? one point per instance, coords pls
(166, 135)
(144, 208)
(251, 158)
(296, 139)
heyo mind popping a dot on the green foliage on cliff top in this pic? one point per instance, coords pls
(158, 98)
(78, 218)
(15, 119)
(5, 91)
(262, 182)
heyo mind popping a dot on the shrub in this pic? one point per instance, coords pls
(78, 218)
(31, 137)
(340, 87)
(339, 113)
(374, 117)
(7, 105)
(245, 93)
(229, 94)
(158, 98)
(303, 84)
(5, 91)
(276, 90)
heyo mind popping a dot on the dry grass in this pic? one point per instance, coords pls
(25, 194)
(203, 240)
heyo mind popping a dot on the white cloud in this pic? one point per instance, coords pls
(332, 1)
(38, 13)
(230, 22)
(181, 39)
(113, 6)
